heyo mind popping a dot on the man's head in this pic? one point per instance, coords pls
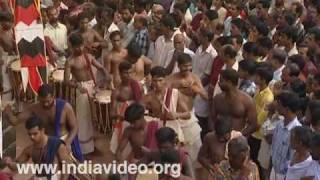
(238, 27)
(167, 24)
(300, 137)
(288, 35)
(316, 83)
(228, 52)
(158, 74)
(154, 32)
(134, 52)
(35, 129)
(299, 87)
(250, 51)
(105, 16)
(298, 60)
(76, 42)
(259, 29)
(83, 21)
(263, 76)
(287, 103)
(235, 8)
(6, 20)
(223, 128)
(166, 138)
(184, 63)
(205, 36)
(125, 69)
(53, 15)
(262, 8)
(204, 5)
(157, 12)
(315, 119)
(46, 97)
(238, 152)
(265, 44)
(237, 41)
(179, 10)
(134, 114)
(247, 68)
(127, 12)
(116, 38)
(209, 18)
(228, 79)
(278, 58)
(140, 22)
(315, 147)
(290, 72)
(179, 42)
(312, 39)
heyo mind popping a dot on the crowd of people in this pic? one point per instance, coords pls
(229, 89)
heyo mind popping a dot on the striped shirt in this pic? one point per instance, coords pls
(281, 152)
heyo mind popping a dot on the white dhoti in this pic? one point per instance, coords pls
(192, 139)
(84, 117)
(264, 154)
(276, 176)
(115, 139)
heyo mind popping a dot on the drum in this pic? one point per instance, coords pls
(14, 73)
(102, 101)
(61, 90)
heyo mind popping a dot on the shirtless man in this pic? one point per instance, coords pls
(185, 81)
(57, 115)
(156, 101)
(44, 150)
(7, 51)
(214, 147)
(141, 64)
(7, 42)
(237, 105)
(80, 65)
(137, 134)
(126, 93)
(92, 39)
(115, 57)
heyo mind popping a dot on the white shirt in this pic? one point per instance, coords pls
(203, 60)
(299, 170)
(58, 35)
(314, 170)
(202, 65)
(170, 55)
(93, 22)
(162, 48)
(227, 26)
(293, 51)
(276, 76)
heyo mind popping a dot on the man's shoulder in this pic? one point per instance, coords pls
(62, 26)
(189, 52)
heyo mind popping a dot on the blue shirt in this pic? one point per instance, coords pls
(281, 152)
(142, 40)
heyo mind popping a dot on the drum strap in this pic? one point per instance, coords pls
(167, 104)
(90, 68)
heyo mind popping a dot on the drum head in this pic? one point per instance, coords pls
(58, 75)
(103, 96)
(16, 65)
